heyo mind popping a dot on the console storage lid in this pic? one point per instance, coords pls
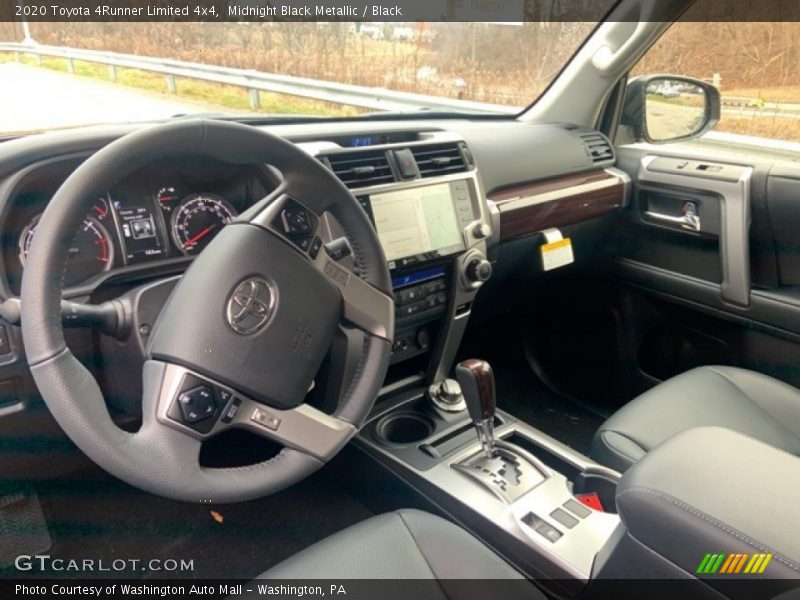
(712, 490)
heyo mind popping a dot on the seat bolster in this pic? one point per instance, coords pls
(615, 450)
(779, 399)
(740, 400)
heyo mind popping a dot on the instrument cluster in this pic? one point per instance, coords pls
(158, 213)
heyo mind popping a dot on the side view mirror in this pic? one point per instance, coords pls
(670, 108)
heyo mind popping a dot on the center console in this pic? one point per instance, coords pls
(423, 194)
(521, 491)
(516, 488)
(431, 233)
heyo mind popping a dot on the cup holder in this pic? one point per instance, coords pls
(403, 429)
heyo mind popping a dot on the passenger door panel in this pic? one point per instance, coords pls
(726, 293)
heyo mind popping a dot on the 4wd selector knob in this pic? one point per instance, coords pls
(479, 269)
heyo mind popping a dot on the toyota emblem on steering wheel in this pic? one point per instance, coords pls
(251, 305)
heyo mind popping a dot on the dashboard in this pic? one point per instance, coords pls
(453, 201)
(157, 215)
(440, 220)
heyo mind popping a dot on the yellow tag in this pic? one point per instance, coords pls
(557, 254)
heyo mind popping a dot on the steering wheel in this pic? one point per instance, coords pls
(241, 337)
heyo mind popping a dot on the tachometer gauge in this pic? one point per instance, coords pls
(91, 252)
(198, 219)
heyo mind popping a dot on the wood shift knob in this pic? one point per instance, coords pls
(477, 385)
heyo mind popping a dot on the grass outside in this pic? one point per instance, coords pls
(775, 128)
(218, 95)
(789, 94)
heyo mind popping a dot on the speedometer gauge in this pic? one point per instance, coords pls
(91, 252)
(198, 219)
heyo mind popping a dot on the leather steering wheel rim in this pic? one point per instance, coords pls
(162, 457)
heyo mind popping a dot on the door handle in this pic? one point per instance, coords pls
(689, 220)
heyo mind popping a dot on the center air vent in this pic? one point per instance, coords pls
(361, 169)
(597, 146)
(439, 159)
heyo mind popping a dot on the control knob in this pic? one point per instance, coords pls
(481, 231)
(478, 270)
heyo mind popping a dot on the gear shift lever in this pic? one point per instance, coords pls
(477, 384)
(504, 469)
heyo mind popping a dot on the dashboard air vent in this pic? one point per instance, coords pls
(439, 159)
(597, 146)
(361, 169)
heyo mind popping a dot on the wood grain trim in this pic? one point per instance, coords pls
(557, 202)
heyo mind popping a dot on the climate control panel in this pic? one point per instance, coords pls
(421, 298)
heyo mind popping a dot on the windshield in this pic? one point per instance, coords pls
(324, 69)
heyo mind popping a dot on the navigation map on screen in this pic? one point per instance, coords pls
(415, 221)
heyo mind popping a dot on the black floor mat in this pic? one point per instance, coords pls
(522, 394)
(95, 516)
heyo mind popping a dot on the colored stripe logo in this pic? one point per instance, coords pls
(734, 564)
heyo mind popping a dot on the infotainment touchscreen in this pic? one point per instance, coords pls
(417, 221)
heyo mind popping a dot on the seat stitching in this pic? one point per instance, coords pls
(419, 548)
(705, 517)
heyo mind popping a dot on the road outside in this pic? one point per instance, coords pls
(33, 98)
(667, 120)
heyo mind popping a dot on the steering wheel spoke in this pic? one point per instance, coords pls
(202, 408)
(364, 306)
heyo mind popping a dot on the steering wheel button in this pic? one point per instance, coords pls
(295, 221)
(197, 404)
(230, 414)
(341, 277)
(315, 246)
(266, 419)
(304, 243)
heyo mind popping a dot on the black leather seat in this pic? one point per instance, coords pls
(737, 399)
(405, 544)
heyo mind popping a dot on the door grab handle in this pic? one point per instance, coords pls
(689, 220)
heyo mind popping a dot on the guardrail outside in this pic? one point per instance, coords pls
(256, 81)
